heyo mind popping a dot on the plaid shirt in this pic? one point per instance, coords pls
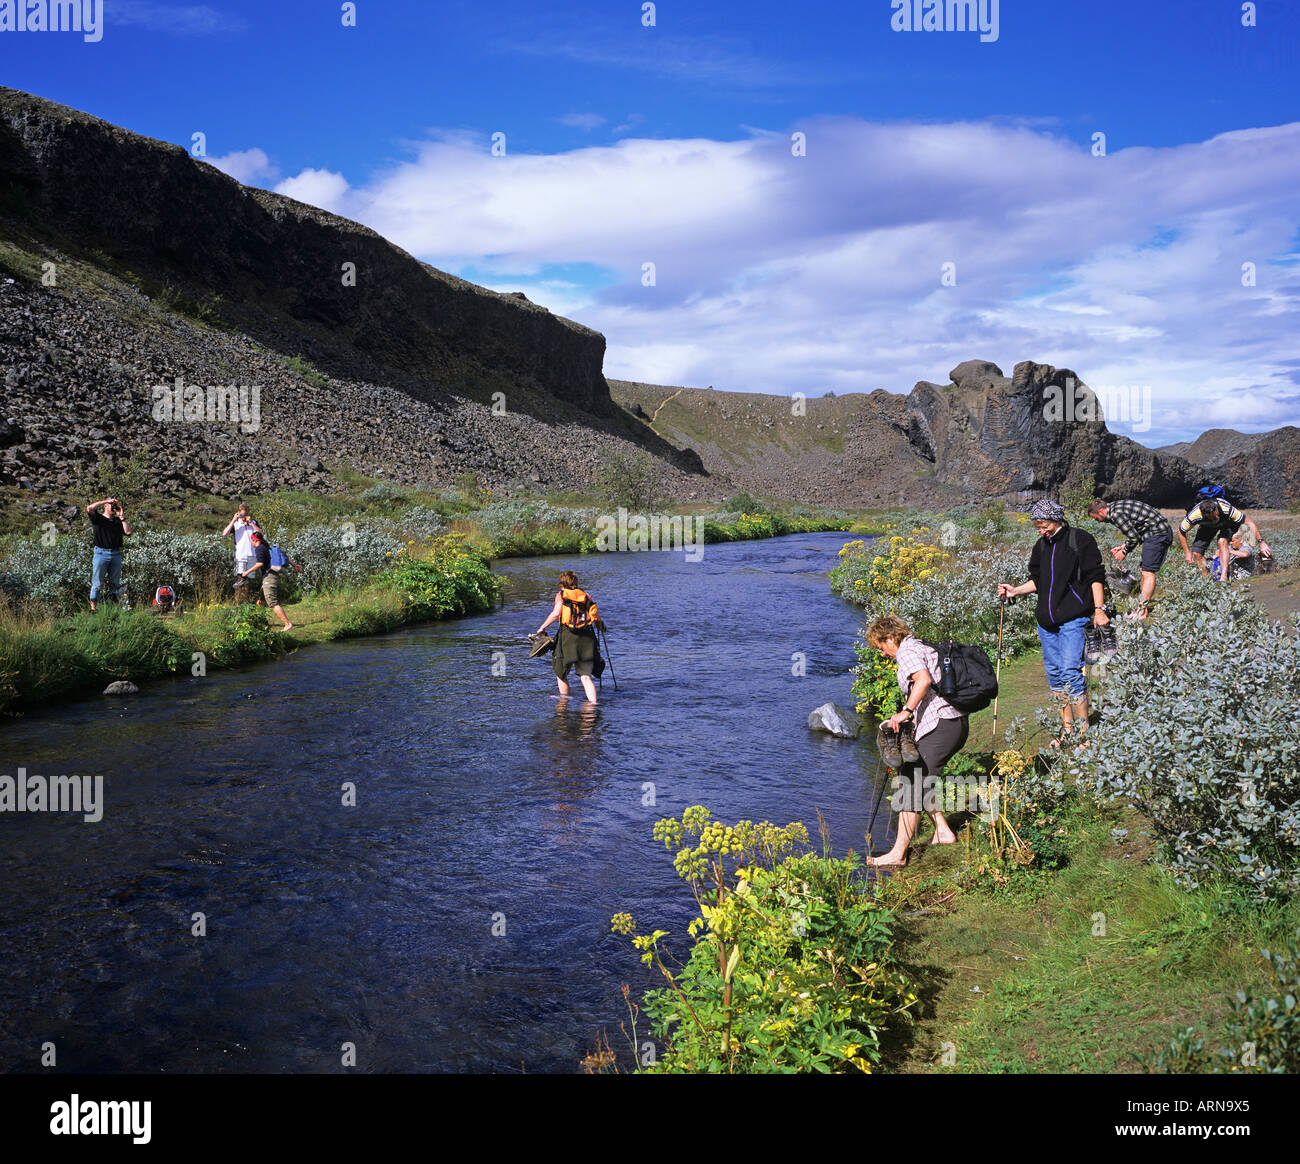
(1137, 521)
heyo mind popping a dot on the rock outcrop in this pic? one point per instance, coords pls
(1258, 468)
(983, 435)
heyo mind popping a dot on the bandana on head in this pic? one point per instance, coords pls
(1046, 510)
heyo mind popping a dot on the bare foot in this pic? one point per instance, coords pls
(288, 626)
(945, 838)
(891, 859)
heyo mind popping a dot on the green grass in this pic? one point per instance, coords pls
(1055, 996)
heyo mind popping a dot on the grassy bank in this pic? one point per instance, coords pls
(1090, 963)
(44, 658)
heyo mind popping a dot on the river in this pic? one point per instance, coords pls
(457, 918)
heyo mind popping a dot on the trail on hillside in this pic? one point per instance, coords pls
(658, 410)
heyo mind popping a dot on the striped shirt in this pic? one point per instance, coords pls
(1226, 514)
(1137, 521)
(914, 656)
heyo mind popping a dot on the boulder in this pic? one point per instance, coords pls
(122, 687)
(835, 720)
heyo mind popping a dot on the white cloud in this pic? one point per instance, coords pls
(586, 121)
(778, 274)
(322, 188)
(251, 167)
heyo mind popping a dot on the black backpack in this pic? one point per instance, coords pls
(967, 680)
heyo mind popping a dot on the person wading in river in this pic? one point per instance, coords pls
(575, 643)
(939, 729)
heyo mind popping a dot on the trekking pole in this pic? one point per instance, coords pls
(875, 808)
(605, 639)
(998, 676)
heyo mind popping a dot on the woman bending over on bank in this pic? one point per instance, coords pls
(940, 731)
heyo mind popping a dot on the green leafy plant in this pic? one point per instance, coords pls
(791, 967)
(451, 581)
(244, 635)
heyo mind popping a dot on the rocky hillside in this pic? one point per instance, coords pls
(125, 265)
(1261, 468)
(982, 435)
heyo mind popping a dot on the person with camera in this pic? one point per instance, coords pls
(109, 525)
(242, 526)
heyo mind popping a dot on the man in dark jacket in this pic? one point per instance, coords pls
(1066, 573)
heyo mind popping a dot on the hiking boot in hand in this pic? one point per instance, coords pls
(887, 744)
(1092, 646)
(1107, 641)
(907, 743)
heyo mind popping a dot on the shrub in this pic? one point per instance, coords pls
(1286, 548)
(346, 554)
(634, 481)
(746, 503)
(422, 522)
(530, 526)
(1206, 742)
(452, 581)
(943, 586)
(383, 494)
(126, 477)
(243, 634)
(791, 969)
(190, 563)
(875, 683)
(56, 576)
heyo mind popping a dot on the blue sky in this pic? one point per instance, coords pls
(670, 144)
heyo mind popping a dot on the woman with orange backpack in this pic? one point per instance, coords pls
(575, 642)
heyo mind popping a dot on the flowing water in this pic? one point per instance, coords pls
(483, 804)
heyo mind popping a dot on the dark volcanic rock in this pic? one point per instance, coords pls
(275, 268)
(1258, 468)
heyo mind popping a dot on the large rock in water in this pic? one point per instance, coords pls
(122, 687)
(835, 720)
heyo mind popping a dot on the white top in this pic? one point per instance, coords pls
(243, 532)
(914, 656)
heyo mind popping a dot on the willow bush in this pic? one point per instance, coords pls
(1205, 740)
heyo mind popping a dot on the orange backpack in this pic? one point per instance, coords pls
(579, 610)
